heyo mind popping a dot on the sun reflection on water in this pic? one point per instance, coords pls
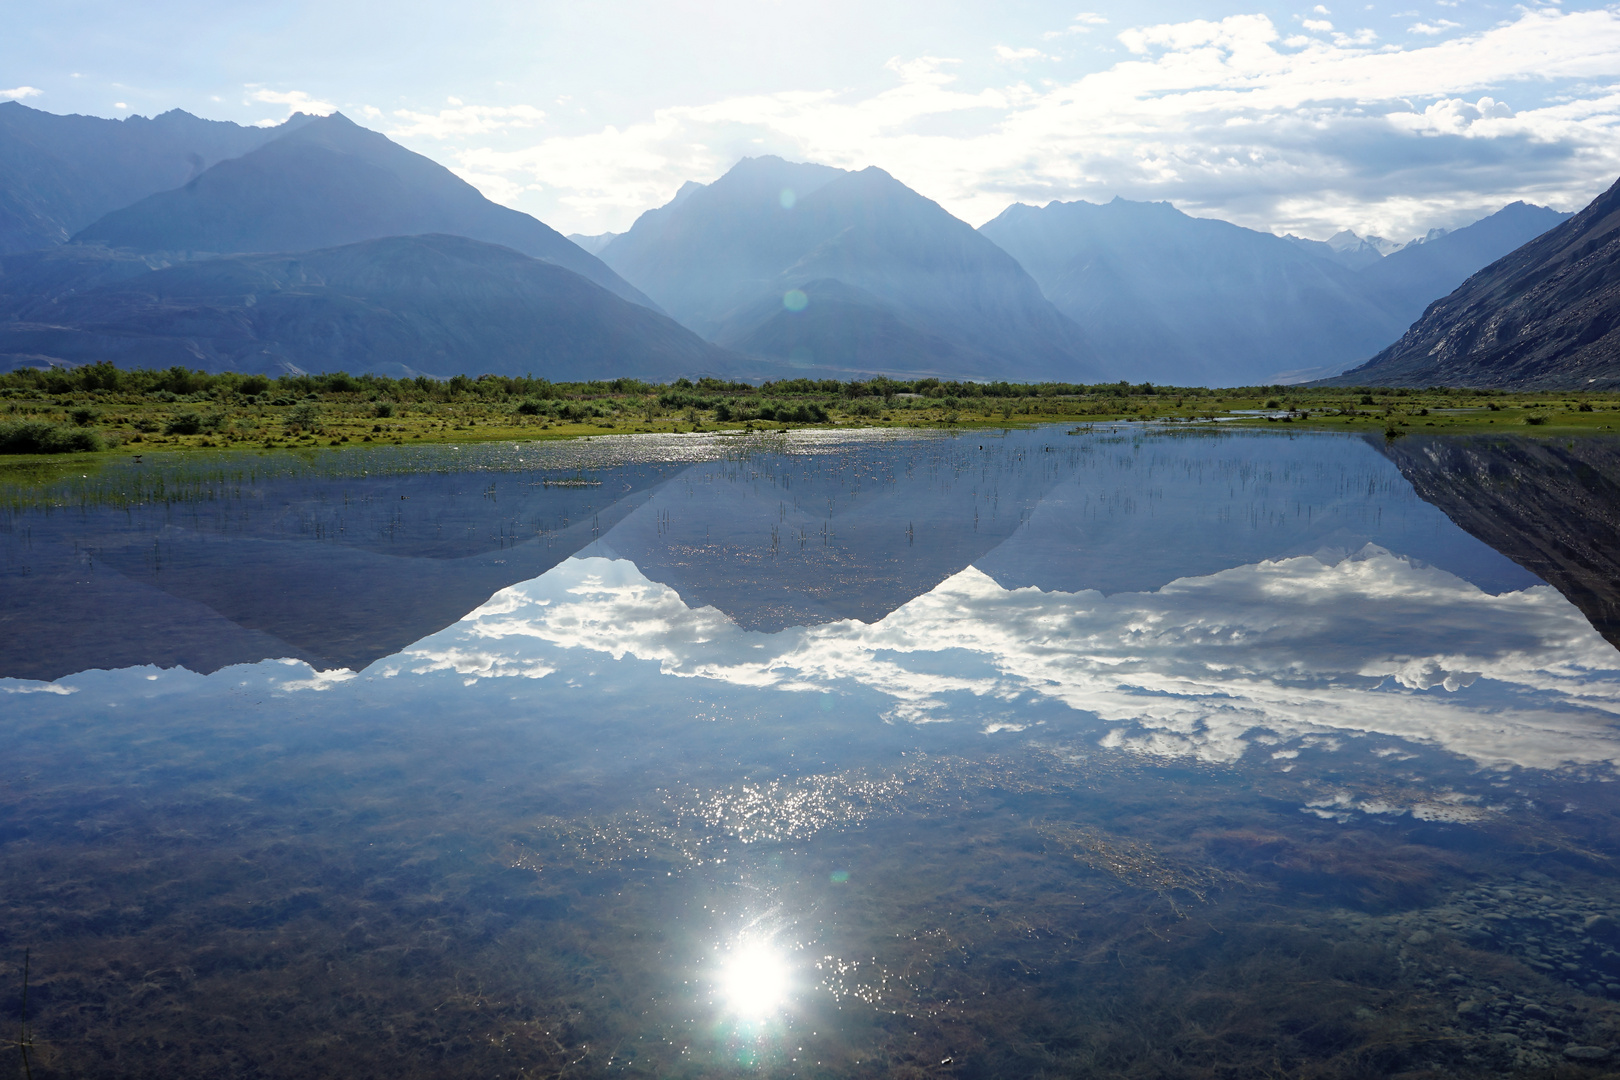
(755, 979)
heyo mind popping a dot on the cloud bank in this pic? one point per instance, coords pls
(1307, 132)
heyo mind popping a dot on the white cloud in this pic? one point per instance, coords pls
(1439, 26)
(296, 101)
(1007, 53)
(1317, 26)
(120, 105)
(1222, 117)
(464, 120)
(1081, 24)
(1454, 116)
(18, 93)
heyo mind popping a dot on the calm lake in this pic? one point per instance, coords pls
(1135, 751)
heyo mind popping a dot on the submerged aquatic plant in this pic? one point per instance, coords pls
(24, 1042)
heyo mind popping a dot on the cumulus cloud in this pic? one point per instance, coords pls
(1224, 117)
(1300, 648)
(18, 93)
(1439, 26)
(296, 101)
(1007, 53)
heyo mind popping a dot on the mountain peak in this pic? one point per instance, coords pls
(321, 182)
(899, 284)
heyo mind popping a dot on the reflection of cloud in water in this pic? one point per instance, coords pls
(1299, 646)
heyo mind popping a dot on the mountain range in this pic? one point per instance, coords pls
(224, 246)
(848, 271)
(1546, 316)
(1194, 301)
(403, 305)
(325, 183)
(59, 174)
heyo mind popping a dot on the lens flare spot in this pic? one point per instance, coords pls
(795, 300)
(787, 198)
(753, 979)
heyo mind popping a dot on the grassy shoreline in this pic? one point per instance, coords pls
(142, 411)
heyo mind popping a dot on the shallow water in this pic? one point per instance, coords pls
(1106, 752)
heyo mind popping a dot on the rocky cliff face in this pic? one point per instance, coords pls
(1551, 506)
(1546, 316)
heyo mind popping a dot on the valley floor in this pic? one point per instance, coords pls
(34, 422)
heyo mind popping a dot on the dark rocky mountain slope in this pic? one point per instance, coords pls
(59, 174)
(439, 305)
(328, 183)
(1546, 316)
(847, 272)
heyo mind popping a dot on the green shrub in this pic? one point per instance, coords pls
(186, 423)
(82, 416)
(1534, 420)
(529, 407)
(39, 437)
(253, 385)
(384, 410)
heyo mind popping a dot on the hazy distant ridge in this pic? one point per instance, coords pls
(1171, 298)
(332, 182)
(437, 305)
(60, 173)
(883, 278)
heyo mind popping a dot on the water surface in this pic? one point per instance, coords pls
(1105, 752)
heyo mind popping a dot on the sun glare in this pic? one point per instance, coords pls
(753, 979)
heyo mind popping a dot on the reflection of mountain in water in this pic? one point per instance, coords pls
(335, 571)
(343, 570)
(859, 530)
(1552, 507)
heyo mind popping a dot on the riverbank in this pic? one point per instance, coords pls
(96, 422)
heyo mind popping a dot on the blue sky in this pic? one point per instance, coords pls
(1385, 118)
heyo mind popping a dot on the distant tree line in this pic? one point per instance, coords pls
(682, 393)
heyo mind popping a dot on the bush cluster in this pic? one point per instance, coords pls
(39, 437)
